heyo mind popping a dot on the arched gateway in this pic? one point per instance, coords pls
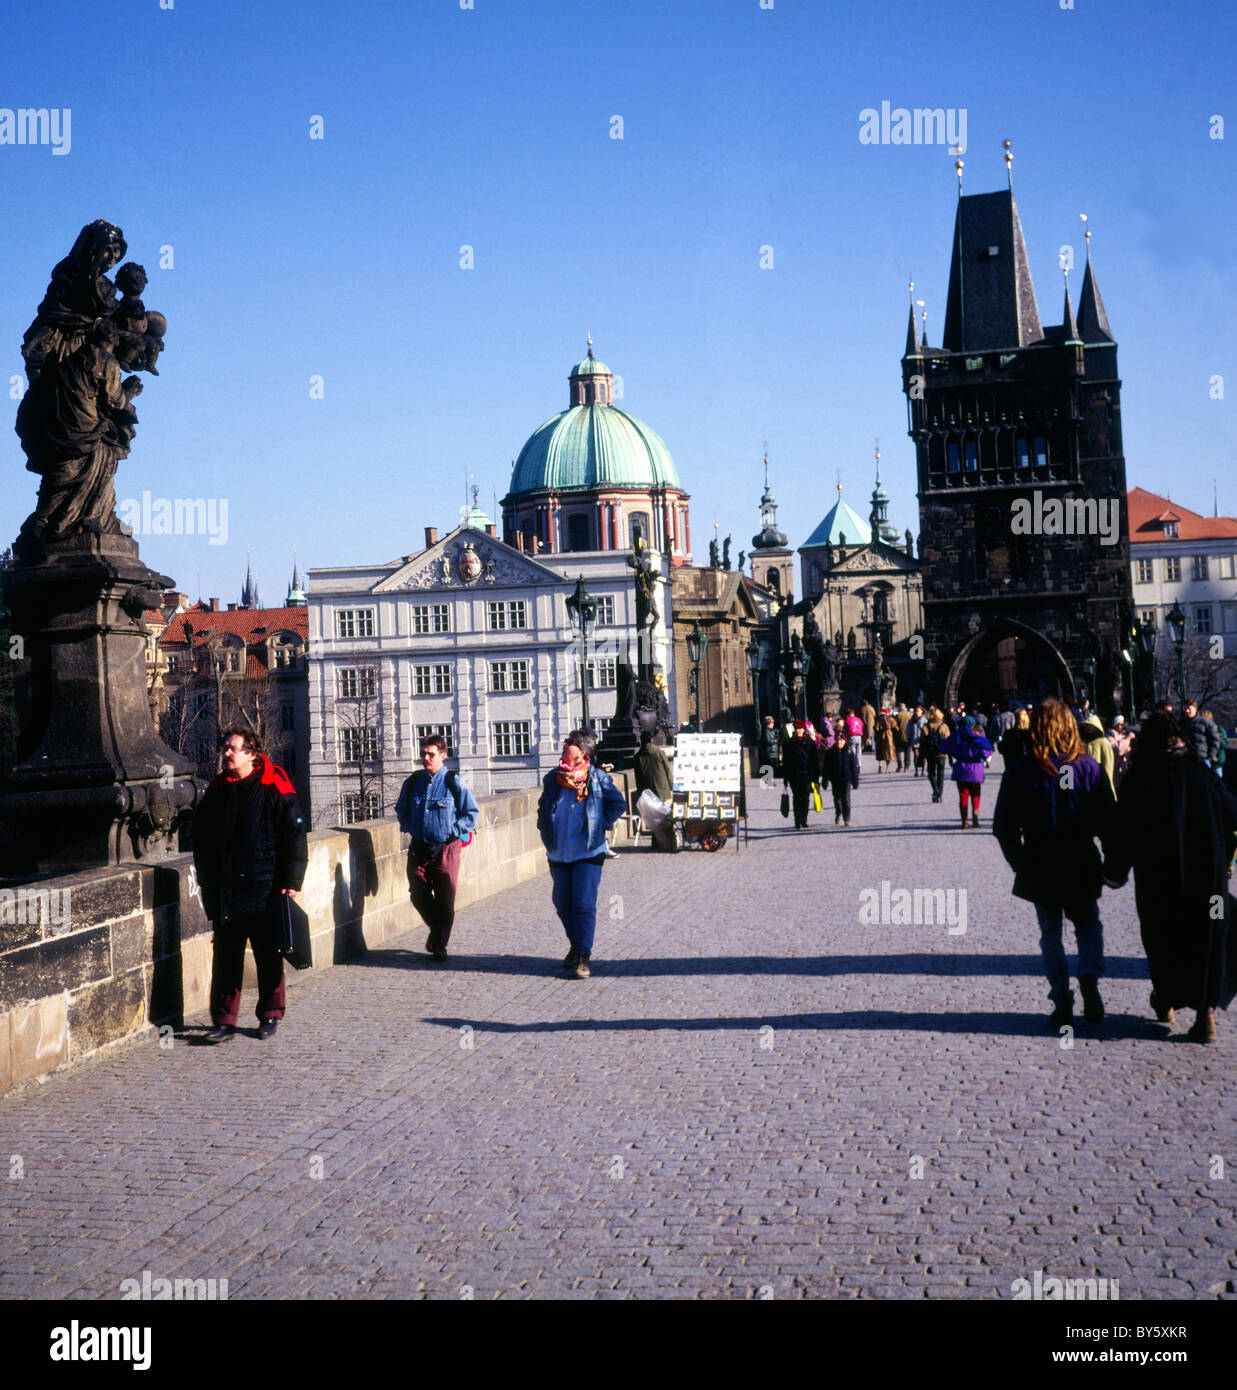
(1008, 661)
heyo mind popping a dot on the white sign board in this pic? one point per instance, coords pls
(708, 762)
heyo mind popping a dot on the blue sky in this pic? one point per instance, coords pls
(491, 128)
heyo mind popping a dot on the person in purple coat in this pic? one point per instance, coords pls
(970, 750)
(1052, 807)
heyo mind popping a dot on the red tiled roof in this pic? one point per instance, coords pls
(1149, 511)
(249, 624)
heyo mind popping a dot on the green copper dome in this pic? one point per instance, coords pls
(840, 520)
(590, 367)
(591, 446)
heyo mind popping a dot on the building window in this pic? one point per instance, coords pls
(1172, 569)
(508, 675)
(287, 717)
(814, 579)
(354, 622)
(431, 617)
(1170, 530)
(1226, 567)
(1228, 613)
(503, 616)
(601, 725)
(605, 610)
(1022, 450)
(954, 455)
(511, 739)
(437, 731)
(1144, 572)
(354, 810)
(1202, 620)
(970, 450)
(287, 649)
(1147, 617)
(431, 680)
(1200, 567)
(357, 745)
(603, 673)
(641, 520)
(579, 532)
(530, 537)
(357, 682)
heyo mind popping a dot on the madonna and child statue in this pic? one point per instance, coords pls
(93, 783)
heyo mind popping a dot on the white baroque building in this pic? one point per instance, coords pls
(1180, 556)
(469, 638)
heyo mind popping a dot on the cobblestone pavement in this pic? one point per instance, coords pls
(756, 1095)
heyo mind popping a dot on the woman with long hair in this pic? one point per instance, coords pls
(579, 803)
(1052, 806)
(935, 732)
(1177, 826)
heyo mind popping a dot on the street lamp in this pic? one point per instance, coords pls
(1176, 621)
(754, 657)
(697, 645)
(1145, 637)
(582, 614)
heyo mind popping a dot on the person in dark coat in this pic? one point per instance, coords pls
(800, 768)
(934, 733)
(970, 751)
(839, 771)
(1177, 827)
(1051, 808)
(653, 774)
(1016, 740)
(248, 849)
(770, 745)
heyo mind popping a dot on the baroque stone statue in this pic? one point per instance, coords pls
(76, 420)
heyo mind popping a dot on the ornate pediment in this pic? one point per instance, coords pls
(871, 559)
(467, 559)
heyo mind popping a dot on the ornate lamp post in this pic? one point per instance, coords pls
(754, 659)
(582, 614)
(1127, 660)
(697, 645)
(1145, 637)
(803, 662)
(1176, 621)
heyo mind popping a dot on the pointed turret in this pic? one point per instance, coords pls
(296, 594)
(991, 298)
(1067, 319)
(1092, 320)
(912, 336)
(250, 598)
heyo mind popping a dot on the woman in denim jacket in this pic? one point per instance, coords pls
(579, 803)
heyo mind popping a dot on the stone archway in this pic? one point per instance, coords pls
(1008, 661)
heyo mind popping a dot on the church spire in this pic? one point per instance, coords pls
(1067, 315)
(250, 598)
(1092, 320)
(912, 328)
(768, 537)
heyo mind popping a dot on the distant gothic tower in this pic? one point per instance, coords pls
(1008, 416)
(773, 564)
(250, 598)
(591, 474)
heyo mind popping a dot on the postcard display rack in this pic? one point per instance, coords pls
(708, 783)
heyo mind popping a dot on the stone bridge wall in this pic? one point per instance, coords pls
(88, 959)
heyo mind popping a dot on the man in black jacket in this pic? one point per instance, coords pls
(248, 849)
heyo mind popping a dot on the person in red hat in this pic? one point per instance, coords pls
(800, 768)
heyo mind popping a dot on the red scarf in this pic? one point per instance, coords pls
(574, 777)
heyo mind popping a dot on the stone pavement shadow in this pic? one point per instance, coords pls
(413, 957)
(912, 963)
(350, 892)
(1112, 1029)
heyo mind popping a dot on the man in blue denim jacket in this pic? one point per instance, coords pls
(439, 812)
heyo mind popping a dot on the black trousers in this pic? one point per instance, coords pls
(936, 775)
(228, 968)
(801, 799)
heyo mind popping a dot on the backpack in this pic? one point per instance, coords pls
(930, 741)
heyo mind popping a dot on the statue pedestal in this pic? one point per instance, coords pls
(94, 784)
(831, 699)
